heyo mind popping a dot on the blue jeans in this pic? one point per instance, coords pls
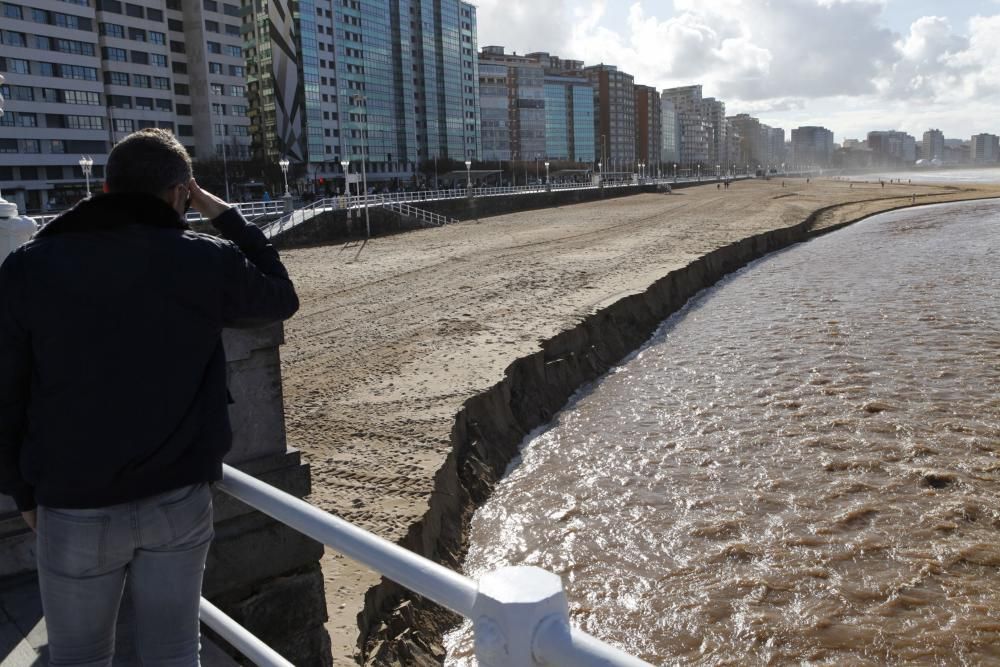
(156, 545)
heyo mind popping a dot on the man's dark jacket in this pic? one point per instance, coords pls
(112, 372)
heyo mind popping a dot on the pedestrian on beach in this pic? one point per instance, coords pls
(113, 397)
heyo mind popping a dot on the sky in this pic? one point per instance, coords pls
(849, 65)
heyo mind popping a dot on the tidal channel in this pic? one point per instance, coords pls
(801, 466)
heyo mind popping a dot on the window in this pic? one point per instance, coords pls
(233, 30)
(210, 5)
(26, 120)
(154, 15)
(237, 70)
(185, 130)
(164, 105)
(238, 91)
(215, 68)
(140, 57)
(24, 93)
(74, 47)
(211, 26)
(54, 173)
(230, 10)
(120, 101)
(124, 125)
(137, 34)
(42, 42)
(140, 81)
(179, 67)
(113, 6)
(237, 110)
(157, 60)
(157, 37)
(13, 38)
(112, 53)
(116, 78)
(219, 129)
(214, 47)
(57, 146)
(161, 83)
(234, 51)
(217, 89)
(175, 25)
(144, 103)
(111, 30)
(16, 65)
(12, 12)
(181, 89)
(81, 97)
(183, 109)
(218, 109)
(174, 4)
(85, 122)
(29, 146)
(134, 11)
(78, 72)
(176, 47)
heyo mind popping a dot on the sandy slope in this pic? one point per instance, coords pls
(394, 335)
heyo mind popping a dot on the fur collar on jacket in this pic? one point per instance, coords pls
(110, 211)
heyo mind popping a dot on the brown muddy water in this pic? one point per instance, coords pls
(803, 466)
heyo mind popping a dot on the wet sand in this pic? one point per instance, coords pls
(394, 335)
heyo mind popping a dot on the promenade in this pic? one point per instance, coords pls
(396, 334)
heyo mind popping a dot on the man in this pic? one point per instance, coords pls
(113, 399)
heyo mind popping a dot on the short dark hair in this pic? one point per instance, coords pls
(150, 161)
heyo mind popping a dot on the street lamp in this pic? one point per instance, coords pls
(86, 164)
(468, 175)
(536, 168)
(546, 173)
(675, 172)
(283, 163)
(347, 184)
(362, 101)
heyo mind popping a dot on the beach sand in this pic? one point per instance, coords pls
(395, 334)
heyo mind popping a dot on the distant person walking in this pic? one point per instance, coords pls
(113, 398)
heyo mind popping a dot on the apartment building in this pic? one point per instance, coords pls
(614, 117)
(81, 75)
(933, 145)
(892, 148)
(695, 140)
(812, 146)
(648, 128)
(514, 85)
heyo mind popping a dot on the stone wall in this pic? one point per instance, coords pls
(337, 226)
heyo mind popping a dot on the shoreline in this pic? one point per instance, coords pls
(474, 442)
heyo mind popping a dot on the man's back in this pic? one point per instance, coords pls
(124, 308)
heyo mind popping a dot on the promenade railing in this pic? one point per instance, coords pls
(520, 614)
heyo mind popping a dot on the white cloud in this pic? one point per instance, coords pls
(828, 61)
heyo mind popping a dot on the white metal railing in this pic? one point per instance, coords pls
(413, 212)
(520, 615)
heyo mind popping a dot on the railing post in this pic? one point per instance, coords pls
(510, 606)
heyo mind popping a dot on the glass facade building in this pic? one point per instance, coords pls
(495, 116)
(583, 124)
(569, 118)
(390, 82)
